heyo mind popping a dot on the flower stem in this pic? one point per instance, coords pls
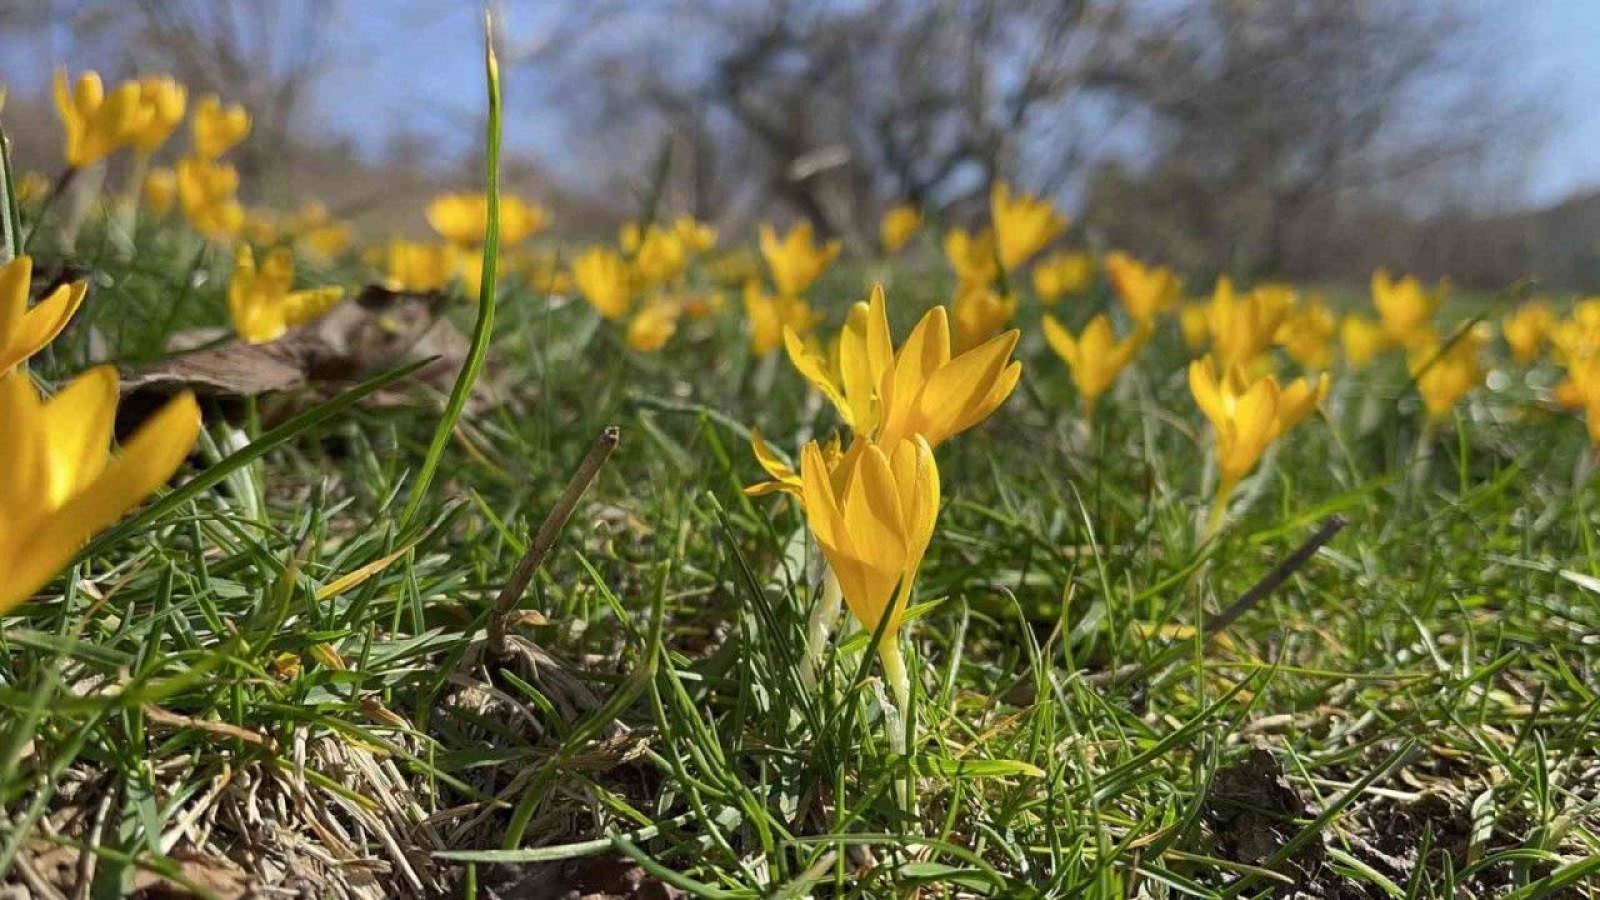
(1219, 509)
(127, 210)
(819, 628)
(897, 721)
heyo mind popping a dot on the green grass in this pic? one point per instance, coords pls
(1413, 713)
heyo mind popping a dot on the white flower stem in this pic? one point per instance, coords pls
(819, 628)
(897, 719)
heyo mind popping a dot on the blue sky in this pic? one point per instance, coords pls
(416, 67)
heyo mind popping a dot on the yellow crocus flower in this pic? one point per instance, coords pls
(96, 124)
(1247, 416)
(159, 191)
(1023, 225)
(1063, 273)
(463, 219)
(603, 279)
(25, 331)
(1404, 307)
(1527, 328)
(62, 486)
(1444, 374)
(262, 302)
(418, 267)
(972, 256)
(1307, 335)
(796, 261)
(979, 313)
(1581, 390)
(919, 388)
(898, 226)
(216, 129)
(1095, 357)
(162, 102)
(770, 316)
(1242, 328)
(652, 326)
(1193, 323)
(660, 256)
(927, 393)
(1362, 339)
(696, 236)
(1145, 291)
(864, 352)
(784, 478)
(206, 194)
(873, 513)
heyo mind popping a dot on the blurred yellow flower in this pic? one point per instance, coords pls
(899, 225)
(1404, 308)
(873, 513)
(603, 278)
(315, 231)
(1581, 390)
(1194, 324)
(660, 257)
(262, 301)
(694, 235)
(1362, 339)
(1060, 274)
(96, 124)
(206, 194)
(1444, 374)
(770, 316)
(1307, 335)
(972, 256)
(419, 268)
(796, 261)
(216, 129)
(62, 485)
(1145, 291)
(1248, 415)
(652, 326)
(1577, 338)
(1023, 225)
(1242, 328)
(1527, 328)
(25, 331)
(463, 219)
(1095, 357)
(162, 102)
(979, 314)
(159, 192)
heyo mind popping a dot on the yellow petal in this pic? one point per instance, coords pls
(144, 464)
(78, 422)
(43, 323)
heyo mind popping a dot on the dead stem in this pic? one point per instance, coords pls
(546, 536)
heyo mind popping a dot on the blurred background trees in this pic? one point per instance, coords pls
(1310, 139)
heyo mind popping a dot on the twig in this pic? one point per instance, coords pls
(1280, 573)
(546, 536)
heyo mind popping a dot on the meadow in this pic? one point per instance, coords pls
(994, 563)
